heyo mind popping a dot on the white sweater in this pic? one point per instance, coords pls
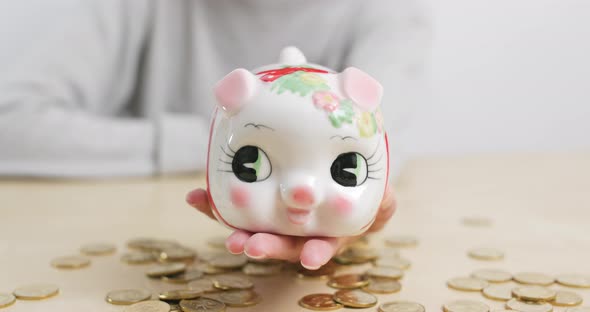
(124, 87)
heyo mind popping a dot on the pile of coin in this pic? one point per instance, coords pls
(531, 294)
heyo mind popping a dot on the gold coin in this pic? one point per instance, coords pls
(567, 299)
(202, 305)
(533, 278)
(319, 302)
(488, 254)
(98, 249)
(578, 309)
(140, 243)
(128, 296)
(70, 262)
(203, 285)
(398, 263)
(36, 291)
(166, 269)
(401, 241)
(385, 272)
(179, 294)
(148, 306)
(356, 254)
(257, 269)
(574, 280)
(138, 258)
(227, 282)
(388, 253)
(467, 284)
(355, 298)
(6, 300)
(177, 254)
(533, 293)
(184, 277)
(229, 261)
(348, 281)
(326, 271)
(522, 306)
(217, 242)
(236, 298)
(401, 306)
(498, 292)
(492, 276)
(465, 306)
(477, 221)
(209, 269)
(382, 286)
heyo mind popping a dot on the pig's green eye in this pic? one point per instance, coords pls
(349, 169)
(251, 164)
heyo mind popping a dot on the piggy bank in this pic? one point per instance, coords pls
(297, 149)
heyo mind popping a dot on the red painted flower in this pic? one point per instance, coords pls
(274, 74)
(326, 100)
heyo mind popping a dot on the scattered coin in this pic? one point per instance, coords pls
(323, 272)
(128, 296)
(533, 293)
(140, 243)
(36, 291)
(257, 269)
(382, 286)
(355, 298)
(179, 294)
(385, 272)
(203, 285)
(400, 241)
(477, 221)
(217, 242)
(465, 306)
(138, 258)
(348, 281)
(209, 269)
(492, 276)
(184, 277)
(401, 306)
(567, 299)
(522, 306)
(574, 280)
(202, 305)
(533, 278)
(166, 269)
(398, 263)
(236, 298)
(148, 306)
(229, 261)
(177, 254)
(467, 284)
(488, 254)
(227, 282)
(98, 249)
(498, 292)
(70, 262)
(7, 300)
(319, 302)
(578, 309)
(356, 254)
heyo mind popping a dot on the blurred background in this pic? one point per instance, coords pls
(503, 75)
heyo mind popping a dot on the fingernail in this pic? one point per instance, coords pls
(310, 267)
(261, 256)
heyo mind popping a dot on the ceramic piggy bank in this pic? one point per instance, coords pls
(297, 149)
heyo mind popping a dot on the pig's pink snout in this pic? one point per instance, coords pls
(303, 196)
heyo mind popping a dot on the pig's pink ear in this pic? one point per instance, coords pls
(235, 89)
(363, 89)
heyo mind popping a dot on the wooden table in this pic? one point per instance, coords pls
(539, 204)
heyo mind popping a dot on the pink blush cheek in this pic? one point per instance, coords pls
(240, 197)
(341, 205)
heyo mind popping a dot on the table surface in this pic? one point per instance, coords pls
(539, 206)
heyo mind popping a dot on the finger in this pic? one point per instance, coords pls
(198, 199)
(264, 245)
(236, 241)
(317, 252)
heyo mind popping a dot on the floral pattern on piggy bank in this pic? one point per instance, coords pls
(297, 149)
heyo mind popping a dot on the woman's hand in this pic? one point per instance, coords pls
(312, 252)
